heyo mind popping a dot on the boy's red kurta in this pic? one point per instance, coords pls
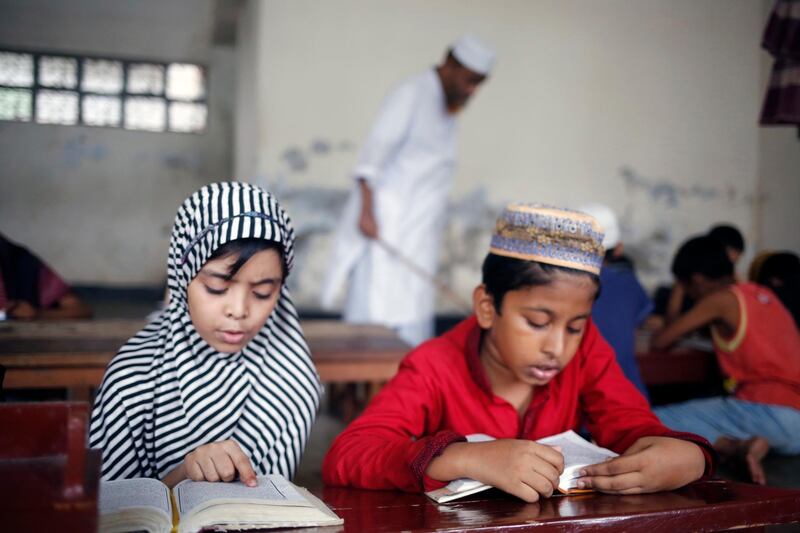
(441, 393)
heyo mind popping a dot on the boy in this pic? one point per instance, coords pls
(528, 364)
(733, 242)
(623, 304)
(757, 346)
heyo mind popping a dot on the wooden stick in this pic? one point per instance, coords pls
(420, 272)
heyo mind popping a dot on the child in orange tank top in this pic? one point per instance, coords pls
(758, 348)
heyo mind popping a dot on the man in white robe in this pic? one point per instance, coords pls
(403, 177)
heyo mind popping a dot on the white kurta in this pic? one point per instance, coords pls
(408, 161)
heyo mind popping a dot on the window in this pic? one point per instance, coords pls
(92, 91)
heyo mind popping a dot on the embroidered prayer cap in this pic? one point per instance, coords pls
(607, 219)
(474, 54)
(562, 237)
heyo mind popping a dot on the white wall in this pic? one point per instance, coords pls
(780, 173)
(98, 203)
(648, 105)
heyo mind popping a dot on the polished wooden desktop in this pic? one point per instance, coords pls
(702, 506)
(73, 354)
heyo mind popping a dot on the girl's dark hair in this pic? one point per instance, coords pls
(503, 274)
(702, 255)
(244, 249)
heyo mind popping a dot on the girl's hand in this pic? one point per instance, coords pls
(219, 461)
(651, 464)
(523, 468)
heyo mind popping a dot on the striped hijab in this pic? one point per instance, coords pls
(167, 391)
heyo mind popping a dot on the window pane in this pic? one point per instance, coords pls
(102, 76)
(101, 110)
(143, 113)
(58, 72)
(146, 79)
(184, 116)
(16, 69)
(56, 107)
(15, 104)
(184, 82)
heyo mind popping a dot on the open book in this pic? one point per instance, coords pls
(144, 504)
(578, 452)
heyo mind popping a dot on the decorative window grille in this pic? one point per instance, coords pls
(55, 88)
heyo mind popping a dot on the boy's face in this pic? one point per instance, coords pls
(229, 313)
(698, 286)
(538, 331)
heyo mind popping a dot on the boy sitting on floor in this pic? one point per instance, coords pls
(757, 346)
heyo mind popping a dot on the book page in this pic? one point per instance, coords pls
(459, 488)
(129, 493)
(577, 451)
(271, 489)
(274, 503)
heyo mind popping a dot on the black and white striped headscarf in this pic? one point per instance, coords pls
(167, 391)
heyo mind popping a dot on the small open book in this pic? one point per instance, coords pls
(578, 452)
(144, 504)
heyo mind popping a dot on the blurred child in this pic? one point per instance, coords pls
(528, 364)
(677, 302)
(30, 289)
(757, 345)
(780, 271)
(623, 304)
(731, 238)
(221, 382)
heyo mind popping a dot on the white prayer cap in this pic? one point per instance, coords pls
(607, 219)
(474, 54)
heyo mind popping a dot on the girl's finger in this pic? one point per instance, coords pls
(209, 470)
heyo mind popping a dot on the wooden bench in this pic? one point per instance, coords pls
(48, 480)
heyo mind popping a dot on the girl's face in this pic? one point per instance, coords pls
(539, 330)
(228, 313)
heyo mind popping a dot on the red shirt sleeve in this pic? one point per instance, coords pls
(617, 413)
(51, 287)
(391, 444)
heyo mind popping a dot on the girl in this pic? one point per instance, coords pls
(529, 364)
(221, 382)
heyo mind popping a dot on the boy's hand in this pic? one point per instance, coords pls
(651, 464)
(523, 468)
(219, 461)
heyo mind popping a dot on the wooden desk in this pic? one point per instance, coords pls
(689, 362)
(74, 354)
(703, 506)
